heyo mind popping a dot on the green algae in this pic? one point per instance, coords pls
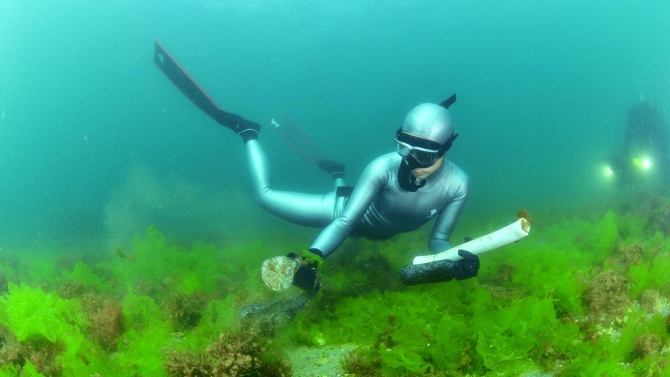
(32, 312)
(535, 307)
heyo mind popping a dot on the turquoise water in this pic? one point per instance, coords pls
(543, 91)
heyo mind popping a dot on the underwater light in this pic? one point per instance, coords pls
(643, 163)
(607, 173)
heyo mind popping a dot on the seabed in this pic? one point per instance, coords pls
(586, 294)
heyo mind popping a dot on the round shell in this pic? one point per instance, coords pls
(277, 273)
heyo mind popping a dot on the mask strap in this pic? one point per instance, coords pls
(447, 144)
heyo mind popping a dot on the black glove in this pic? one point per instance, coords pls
(467, 267)
(441, 271)
(305, 277)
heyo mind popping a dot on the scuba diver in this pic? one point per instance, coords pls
(397, 192)
(645, 145)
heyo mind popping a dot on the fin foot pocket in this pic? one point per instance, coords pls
(334, 168)
(247, 129)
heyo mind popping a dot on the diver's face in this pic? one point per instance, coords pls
(423, 173)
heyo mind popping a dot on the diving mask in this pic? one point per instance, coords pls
(424, 151)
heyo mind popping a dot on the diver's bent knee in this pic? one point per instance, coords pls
(261, 198)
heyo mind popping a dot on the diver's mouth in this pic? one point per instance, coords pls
(419, 173)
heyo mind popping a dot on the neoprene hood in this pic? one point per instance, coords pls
(431, 121)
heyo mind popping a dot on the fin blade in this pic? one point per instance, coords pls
(298, 140)
(184, 82)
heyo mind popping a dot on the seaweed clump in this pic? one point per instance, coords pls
(523, 214)
(183, 310)
(237, 354)
(105, 316)
(34, 353)
(107, 325)
(647, 345)
(363, 363)
(628, 255)
(650, 300)
(607, 296)
(11, 350)
(43, 356)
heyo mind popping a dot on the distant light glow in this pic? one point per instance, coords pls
(643, 163)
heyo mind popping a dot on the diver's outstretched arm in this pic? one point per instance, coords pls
(194, 92)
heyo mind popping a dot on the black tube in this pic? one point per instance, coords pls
(434, 272)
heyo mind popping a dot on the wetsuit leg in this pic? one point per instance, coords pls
(335, 169)
(299, 208)
(339, 182)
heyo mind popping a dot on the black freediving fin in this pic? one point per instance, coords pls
(194, 92)
(298, 140)
(184, 82)
(449, 101)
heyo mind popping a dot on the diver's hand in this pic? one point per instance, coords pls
(305, 276)
(441, 271)
(467, 267)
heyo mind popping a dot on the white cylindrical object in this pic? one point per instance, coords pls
(513, 232)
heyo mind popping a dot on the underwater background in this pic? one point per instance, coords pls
(129, 235)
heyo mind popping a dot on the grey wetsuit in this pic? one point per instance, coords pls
(377, 207)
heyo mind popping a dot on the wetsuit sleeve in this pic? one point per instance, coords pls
(446, 221)
(367, 188)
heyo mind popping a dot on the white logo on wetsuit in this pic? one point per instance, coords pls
(432, 213)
